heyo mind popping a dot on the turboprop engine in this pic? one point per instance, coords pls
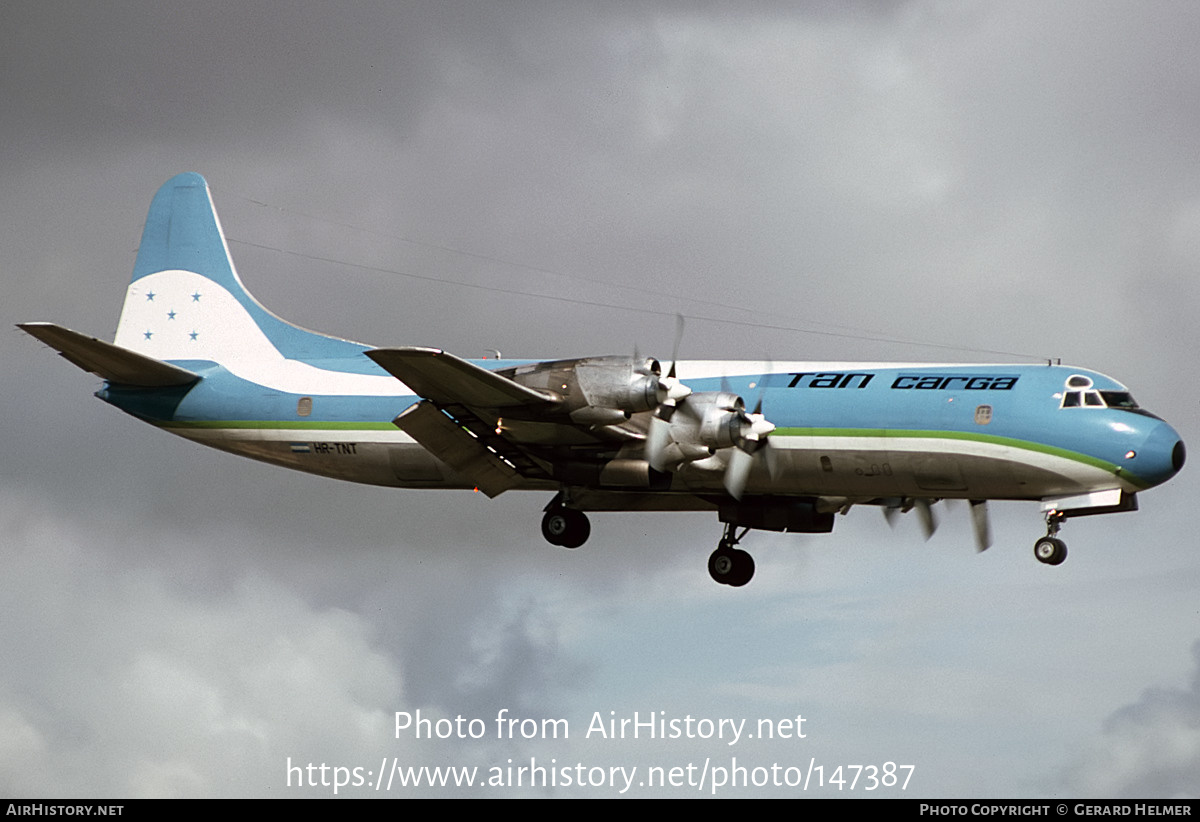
(697, 426)
(601, 390)
(686, 428)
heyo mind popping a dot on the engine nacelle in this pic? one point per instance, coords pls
(723, 418)
(624, 384)
(598, 390)
(702, 424)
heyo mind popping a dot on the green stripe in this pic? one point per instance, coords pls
(288, 425)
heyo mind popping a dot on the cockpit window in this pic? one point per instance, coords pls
(1080, 393)
(1119, 399)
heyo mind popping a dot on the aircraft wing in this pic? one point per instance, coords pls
(444, 378)
(459, 419)
(111, 362)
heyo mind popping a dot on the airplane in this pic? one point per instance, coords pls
(197, 356)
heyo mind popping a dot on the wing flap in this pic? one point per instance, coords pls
(446, 379)
(111, 362)
(453, 445)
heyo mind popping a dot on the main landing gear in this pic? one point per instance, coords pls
(1050, 549)
(565, 526)
(728, 564)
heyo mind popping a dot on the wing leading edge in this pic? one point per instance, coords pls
(445, 379)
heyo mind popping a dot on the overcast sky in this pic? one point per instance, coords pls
(911, 180)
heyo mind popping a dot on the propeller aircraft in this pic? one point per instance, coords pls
(196, 355)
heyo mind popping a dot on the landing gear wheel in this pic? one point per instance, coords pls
(1050, 550)
(720, 564)
(730, 566)
(566, 527)
(554, 526)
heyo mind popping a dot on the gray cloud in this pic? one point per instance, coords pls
(1149, 748)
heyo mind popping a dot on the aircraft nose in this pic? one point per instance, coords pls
(1161, 456)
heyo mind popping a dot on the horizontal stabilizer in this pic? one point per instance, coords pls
(446, 379)
(111, 362)
(454, 446)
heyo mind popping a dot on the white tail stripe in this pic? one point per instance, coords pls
(181, 315)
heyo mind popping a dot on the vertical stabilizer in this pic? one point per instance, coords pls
(185, 300)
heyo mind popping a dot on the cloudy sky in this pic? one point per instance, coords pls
(912, 180)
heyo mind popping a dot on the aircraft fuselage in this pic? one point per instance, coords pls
(854, 430)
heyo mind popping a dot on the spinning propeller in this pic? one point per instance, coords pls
(980, 523)
(689, 427)
(756, 429)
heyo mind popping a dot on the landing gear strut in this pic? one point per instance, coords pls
(565, 526)
(1050, 549)
(729, 565)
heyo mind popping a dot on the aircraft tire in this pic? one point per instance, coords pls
(731, 566)
(578, 529)
(1050, 550)
(566, 527)
(554, 526)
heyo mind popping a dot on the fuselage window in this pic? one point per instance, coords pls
(304, 407)
(983, 414)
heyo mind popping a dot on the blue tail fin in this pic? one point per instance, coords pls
(186, 302)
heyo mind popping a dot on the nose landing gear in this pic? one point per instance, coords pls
(1050, 549)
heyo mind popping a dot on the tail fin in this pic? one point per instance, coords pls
(186, 302)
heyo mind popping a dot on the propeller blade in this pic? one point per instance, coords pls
(658, 438)
(755, 428)
(675, 347)
(761, 385)
(737, 472)
(675, 390)
(771, 455)
(981, 524)
(928, 520)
